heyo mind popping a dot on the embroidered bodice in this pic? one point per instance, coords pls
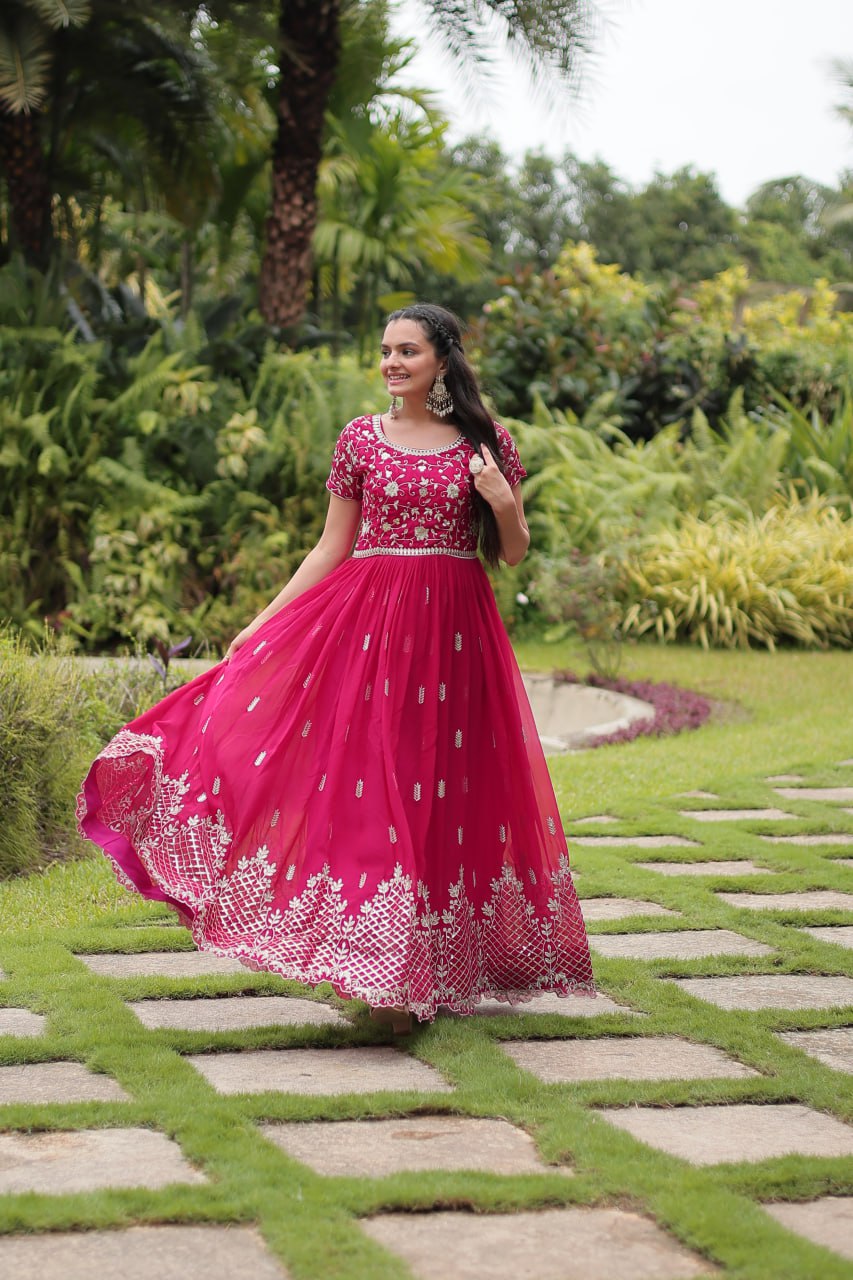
(413, 501)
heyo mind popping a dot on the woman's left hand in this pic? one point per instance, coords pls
(491, 483)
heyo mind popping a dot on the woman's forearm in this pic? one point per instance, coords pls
(316, 566)
(513, 531)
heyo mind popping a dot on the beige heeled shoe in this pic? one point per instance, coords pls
(398, 1019)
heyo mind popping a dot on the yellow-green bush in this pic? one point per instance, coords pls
(735, 581)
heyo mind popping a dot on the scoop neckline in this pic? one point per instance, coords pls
(406, 448)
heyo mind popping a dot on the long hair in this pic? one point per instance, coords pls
(444, 332)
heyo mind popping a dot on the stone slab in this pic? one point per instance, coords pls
(89, 1160)
(318, 1071)
(376, 1148)
(736, 815)
(843, 862)
(616, 908)
(804, 900)
(235, 1013)
(840, 934)
(770, 991)
(837, 795)
(160, 964)
(623, 1058)
(567, 1007)
(597, 819)
(554, 1244)
(636, 842)
(785, 777)
(827, 1222)
(721, 867)
(39, 1082)
(740, 1132)
(681, 944)
(836, 837)
(731, 867)
(21, 1022)
(698, 795)
(141, 1253)
(832, 1046)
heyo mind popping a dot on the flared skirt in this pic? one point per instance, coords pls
(359, 797)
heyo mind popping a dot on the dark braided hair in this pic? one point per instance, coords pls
(444, 332)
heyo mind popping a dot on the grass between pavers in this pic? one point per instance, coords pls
(792, 719)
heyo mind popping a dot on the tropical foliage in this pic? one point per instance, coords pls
(729, 582)
(585, 329)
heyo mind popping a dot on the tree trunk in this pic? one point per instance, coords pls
(310, 44)
(23, 164)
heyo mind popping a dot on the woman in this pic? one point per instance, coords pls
(357, 794)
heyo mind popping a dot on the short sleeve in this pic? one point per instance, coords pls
(345, 479)
(513, 468)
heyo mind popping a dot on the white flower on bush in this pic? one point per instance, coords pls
(521, 598)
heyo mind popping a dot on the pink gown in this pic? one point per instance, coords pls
(360, 797)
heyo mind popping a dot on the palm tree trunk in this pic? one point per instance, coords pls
(22, 162)
(310, 44)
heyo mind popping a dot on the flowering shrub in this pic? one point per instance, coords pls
(586, 329)
(675, 709)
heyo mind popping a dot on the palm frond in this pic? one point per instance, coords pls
(25, 62)
(57, 14)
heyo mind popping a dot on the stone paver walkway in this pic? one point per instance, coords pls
(305, 1085)
(557, 1244)
(89, 1160)
(637, 1058)
(141, 1253)
(616, 908)
(681, 944)
(771, 991)
(375, 1148)
(57, 1082)
(231, 1013)
(833, 1047)
(808, 900)
(20, 1022)
(745, 1132)
(827, 1222)
(720, 867)
(318, 1071)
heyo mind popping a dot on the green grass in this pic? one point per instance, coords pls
(790, 712)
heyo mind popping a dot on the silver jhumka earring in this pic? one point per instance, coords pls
(439, 400)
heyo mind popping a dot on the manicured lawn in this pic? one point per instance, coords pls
(787, 713)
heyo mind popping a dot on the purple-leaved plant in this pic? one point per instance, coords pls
(675, 709)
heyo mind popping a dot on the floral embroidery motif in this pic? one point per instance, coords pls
(411, 505)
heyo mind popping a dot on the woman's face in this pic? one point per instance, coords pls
(409, 363)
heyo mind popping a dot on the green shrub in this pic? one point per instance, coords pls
(585, 329)
(46, 743)
(732, 582)
(165, 498)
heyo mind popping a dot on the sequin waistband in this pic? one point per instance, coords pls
(414, 551)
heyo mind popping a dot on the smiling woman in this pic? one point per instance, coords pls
(325, 804)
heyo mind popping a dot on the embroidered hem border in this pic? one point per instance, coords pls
(451, 959)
